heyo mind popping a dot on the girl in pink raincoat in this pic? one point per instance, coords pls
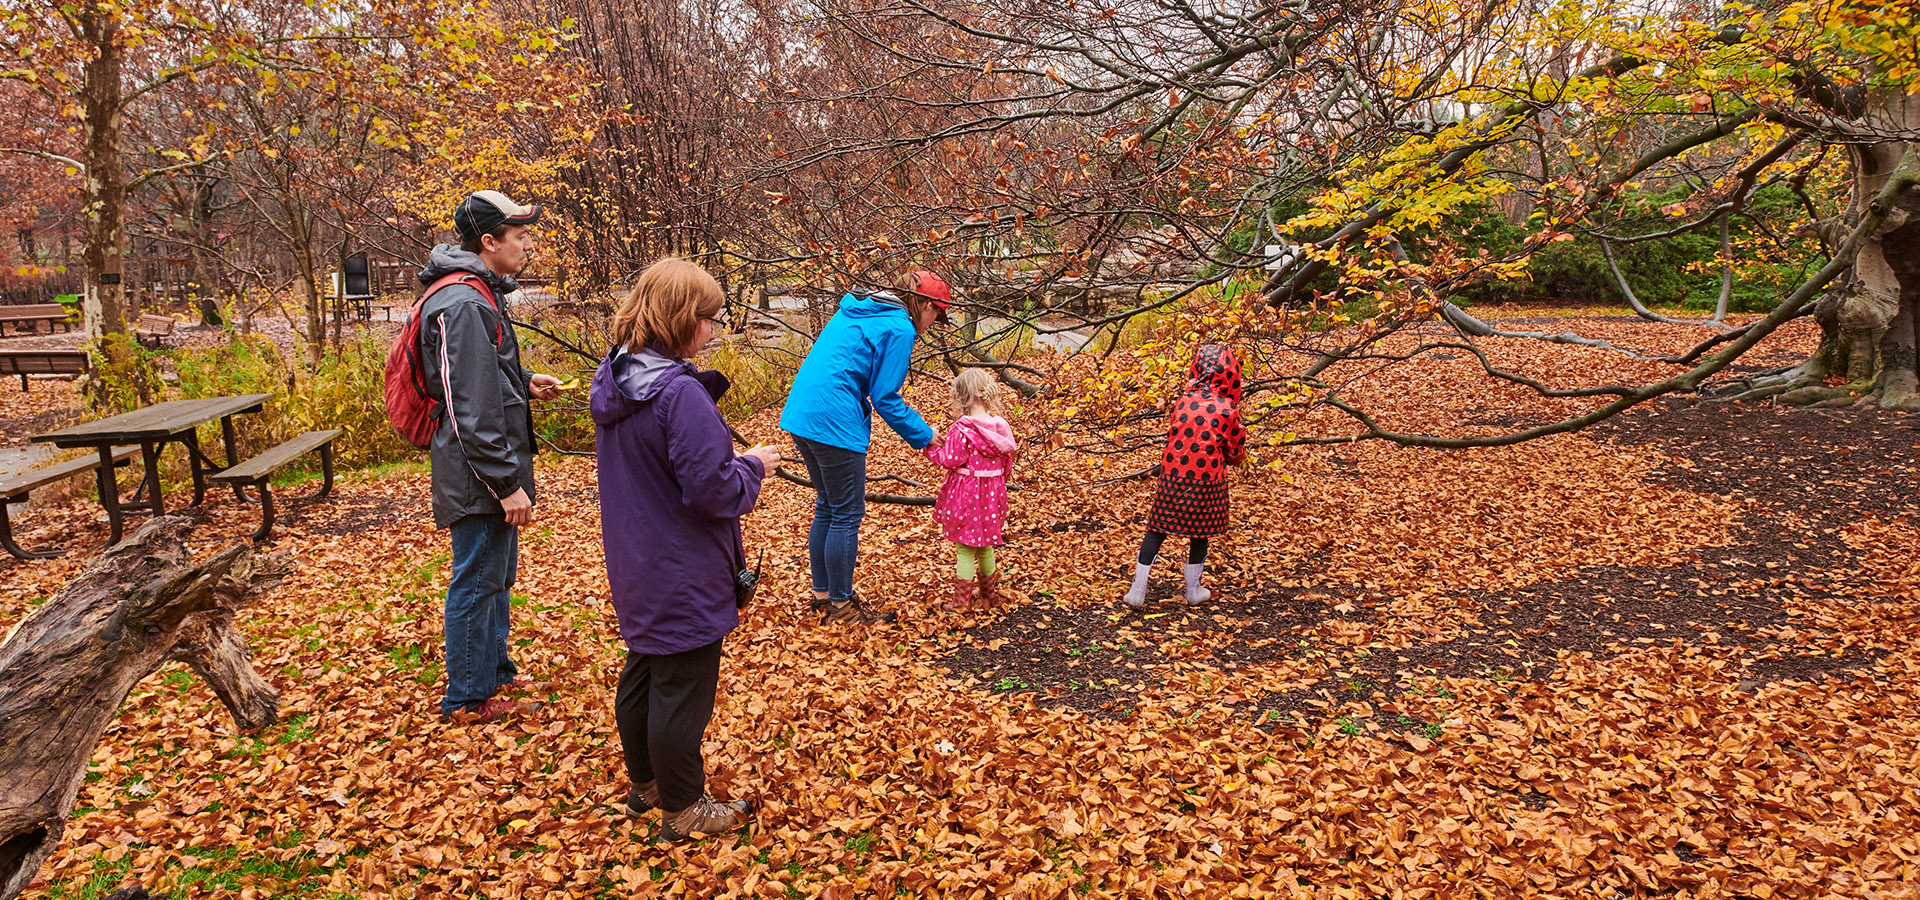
(972, 507)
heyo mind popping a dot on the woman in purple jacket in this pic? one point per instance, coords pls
(672, 492)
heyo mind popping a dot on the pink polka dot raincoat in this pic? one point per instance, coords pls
(972, 506)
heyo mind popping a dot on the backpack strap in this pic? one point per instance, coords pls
(418, 354)
(478, 284)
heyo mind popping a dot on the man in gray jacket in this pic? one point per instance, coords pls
(483, 447)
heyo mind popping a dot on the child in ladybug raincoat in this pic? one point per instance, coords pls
(972, 507)
(1204, 437)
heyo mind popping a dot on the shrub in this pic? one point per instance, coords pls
(345, 392)
(1683, 270)
(757, 381)
(565, 424)
(348, 392)
(125, 376)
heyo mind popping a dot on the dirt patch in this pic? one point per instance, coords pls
(1799, 475)
(1098, 660)
(1079, 659)
(347, 512)
(1823, 466)
(17, 430)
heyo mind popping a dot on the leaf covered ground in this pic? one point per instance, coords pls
(1671, 656)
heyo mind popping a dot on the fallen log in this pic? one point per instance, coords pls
(66, 668)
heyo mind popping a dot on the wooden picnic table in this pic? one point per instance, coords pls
(152, 428)
(42, 362)
(26, 319)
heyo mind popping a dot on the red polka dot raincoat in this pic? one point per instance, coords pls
(972, 506)
(1204, 437)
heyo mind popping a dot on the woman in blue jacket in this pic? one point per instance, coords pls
(856, 368)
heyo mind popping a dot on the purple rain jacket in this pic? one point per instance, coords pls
(671, 496)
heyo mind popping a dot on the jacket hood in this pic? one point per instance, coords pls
(993, 432)
(627, 381)
(447, 259)
(1215, 371)
(862, 304)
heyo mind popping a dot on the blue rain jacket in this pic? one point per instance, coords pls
(855, 369)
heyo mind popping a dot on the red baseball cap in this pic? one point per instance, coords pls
(934, 288)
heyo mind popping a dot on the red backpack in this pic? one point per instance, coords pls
(412, 407)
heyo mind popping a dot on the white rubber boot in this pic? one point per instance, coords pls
(1137, 596)
(1196, 594)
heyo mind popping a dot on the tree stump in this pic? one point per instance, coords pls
(67, 667)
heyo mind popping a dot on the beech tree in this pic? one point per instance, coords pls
(1361, 137)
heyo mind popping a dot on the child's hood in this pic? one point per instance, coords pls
(1215, 370)
(991, 432)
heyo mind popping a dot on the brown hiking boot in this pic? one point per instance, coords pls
(962, 599)
(706, 816)
(642, 798)
(855, 612)
(493, 710)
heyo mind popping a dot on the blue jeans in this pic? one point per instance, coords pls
(486, 554)
(839, 479)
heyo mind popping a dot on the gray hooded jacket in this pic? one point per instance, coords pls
(483, 448)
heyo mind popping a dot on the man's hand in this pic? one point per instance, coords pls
(518, 508)
(768, 456)
(544, 387)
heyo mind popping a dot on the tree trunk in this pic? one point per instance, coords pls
(210, 280)
(103, 189)
(66, 668)
(340, 304)
(306, 280)
(1870, 325)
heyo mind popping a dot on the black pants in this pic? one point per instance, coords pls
(663, 706)
(1150, 548)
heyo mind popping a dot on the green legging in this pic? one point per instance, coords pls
(963, 568)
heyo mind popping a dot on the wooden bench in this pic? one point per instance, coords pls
(43, 362)
(257, 470)
(153, 330)
(15, 489)
(26, 319)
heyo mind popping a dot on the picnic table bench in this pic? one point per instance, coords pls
(43, 362)
(26, 318)
(153, 330)
(178, 421)
(15, 489)
(257, 470)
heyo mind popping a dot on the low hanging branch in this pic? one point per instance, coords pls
(564, 344)
(67, 667)
(805, 482)
(897, 499)
(1640, 309)
(1790, 308)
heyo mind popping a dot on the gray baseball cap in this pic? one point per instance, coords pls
(483, 211)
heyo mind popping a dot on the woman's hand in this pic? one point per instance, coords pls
(769, 457)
